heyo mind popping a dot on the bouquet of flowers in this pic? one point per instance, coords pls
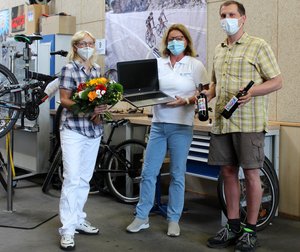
(96, 92)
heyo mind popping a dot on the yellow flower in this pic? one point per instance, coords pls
(102, 80)
(97, 81)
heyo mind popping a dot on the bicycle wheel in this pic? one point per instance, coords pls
(56, 166)
(8, 114)
(271, 168)
(152, 40)
(269, 202)
(124, 165)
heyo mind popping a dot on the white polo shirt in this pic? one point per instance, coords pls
(182, 80)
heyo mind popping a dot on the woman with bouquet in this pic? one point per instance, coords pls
(179, 74)
(80, 135)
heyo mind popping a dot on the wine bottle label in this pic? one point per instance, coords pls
(201, 104)
(231, 103)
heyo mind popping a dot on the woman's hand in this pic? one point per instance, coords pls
(178, 102)
(208, 94)
(98, 111)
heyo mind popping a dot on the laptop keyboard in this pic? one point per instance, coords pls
(146, 97)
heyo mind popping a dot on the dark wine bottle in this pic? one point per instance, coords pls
(232, 105)
(202, 107)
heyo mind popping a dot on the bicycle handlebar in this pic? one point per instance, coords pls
(117, 123)
(41, 77)
(60, 52)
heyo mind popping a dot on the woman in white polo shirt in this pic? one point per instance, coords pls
(172, 127)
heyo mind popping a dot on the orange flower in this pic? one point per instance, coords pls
(92, 95)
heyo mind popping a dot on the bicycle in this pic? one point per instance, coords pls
(270, 195)
(12, 100)
(150, 37)
(121, 165)
(161, 28)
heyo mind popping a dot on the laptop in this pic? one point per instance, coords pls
(139, 79)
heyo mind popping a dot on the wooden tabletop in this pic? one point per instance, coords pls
(198, 125)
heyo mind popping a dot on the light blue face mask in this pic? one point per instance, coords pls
(176, 47)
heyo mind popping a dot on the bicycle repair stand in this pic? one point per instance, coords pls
(9, 181)
(28, 218)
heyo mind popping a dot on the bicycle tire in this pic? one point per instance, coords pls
(3, 172)
(8, 116)
(273, 172)
(124, 182)
(57, 119)
(270, 197)
(54, 167)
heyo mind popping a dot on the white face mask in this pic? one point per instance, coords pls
(230, 25)
(85, 52)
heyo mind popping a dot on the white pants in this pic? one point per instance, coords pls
(79, 158)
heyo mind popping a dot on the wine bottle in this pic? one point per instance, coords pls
(202, 107)
(232, 105)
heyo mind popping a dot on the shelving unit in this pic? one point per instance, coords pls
(198, 155)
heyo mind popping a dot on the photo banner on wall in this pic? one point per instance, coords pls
(134, 28)
(4, 24)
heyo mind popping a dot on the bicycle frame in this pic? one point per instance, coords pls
(104, 154)
(105, 147)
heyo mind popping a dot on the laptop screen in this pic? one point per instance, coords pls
(138, 76)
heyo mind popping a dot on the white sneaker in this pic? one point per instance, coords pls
(137, 225)
(173, 229)
(87, 228)
(67, 242)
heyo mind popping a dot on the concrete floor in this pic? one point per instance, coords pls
(200, 221)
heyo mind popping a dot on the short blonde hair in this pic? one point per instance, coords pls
(78, 36)
(189, 50)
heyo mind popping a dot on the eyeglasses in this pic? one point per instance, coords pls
(178, 38)
(85, 44)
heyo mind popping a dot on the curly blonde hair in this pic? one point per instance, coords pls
(189, 50)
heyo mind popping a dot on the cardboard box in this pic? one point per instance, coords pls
(33, 14)
(58, 25)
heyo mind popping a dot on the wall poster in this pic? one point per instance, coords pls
(18, 18)
(4, 24)
(134, 28)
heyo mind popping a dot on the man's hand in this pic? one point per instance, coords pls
(245, 98)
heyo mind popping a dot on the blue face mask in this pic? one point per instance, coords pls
(176, 47)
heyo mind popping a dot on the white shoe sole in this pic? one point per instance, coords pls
(173, 235)
(80, 231)
(67, 248)
(143, 226)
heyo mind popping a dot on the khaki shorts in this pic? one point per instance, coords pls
(238, 149)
